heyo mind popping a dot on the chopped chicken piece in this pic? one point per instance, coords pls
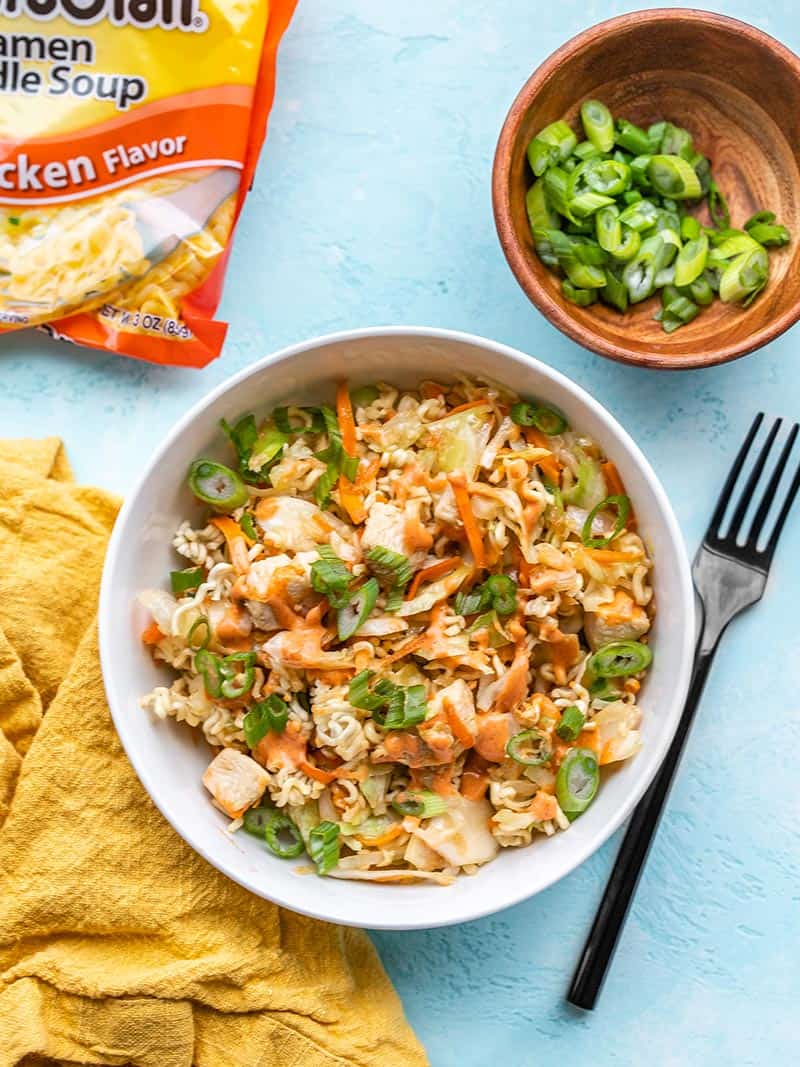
(391, 528)
(621, 619)
(235, 781)
(289, 524)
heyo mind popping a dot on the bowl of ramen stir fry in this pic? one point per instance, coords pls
(407, 626)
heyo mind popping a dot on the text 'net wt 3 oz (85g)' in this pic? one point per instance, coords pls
(129, 134)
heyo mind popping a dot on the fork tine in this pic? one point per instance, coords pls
(747, 492)
(768, 497)
(787, 504)
(733, 474)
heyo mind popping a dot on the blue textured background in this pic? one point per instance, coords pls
(371, 206)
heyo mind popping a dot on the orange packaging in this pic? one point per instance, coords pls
(129, 134)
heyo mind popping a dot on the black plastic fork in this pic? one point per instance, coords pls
(729, 576)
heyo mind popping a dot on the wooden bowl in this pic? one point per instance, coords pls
(737, 91)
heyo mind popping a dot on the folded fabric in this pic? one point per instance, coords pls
(118, 944)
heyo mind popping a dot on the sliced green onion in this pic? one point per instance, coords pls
(655, 135)
(640, 215)
(632, 138)
(323, 846)
(551, 145)
(614, 291)
(745, 274)
(422, 804)
(248, 526)
(672, 176)
(639, 172)
(531, 748)
(598, 124)
(267, 716)
(477, 599)
(202, 627)
(256, 819)
(577, 781)
(359, 694)
(632, 196)
(207, 664)
(582, 297)
(391, 568)
(701, 292)
(186, 581)
(355, 612)
(769, 235)
(604, 689)
(622, 505)
(690, 228)
(608, 177)
(586, 150)
(619, 659)
(503, 592)
(718, 206)
(572, 720)
(547, 419)
(218, 485)
(585, 204)
(330, 577)
(540, 214)
(766, 217)
(691, 260)
(237, 674)
(363, 396)
(676, 141)
(412, 712)
(284, 839)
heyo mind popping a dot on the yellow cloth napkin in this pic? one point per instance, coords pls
(119, 945)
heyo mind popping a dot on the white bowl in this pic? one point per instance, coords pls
(169, 758)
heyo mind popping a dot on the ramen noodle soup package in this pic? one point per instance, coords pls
(129, 134)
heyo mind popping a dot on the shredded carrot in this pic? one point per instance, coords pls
(442, 782)
(326, 777)
(474, 784)
(468, 406)
(381, 839)
(471, 528)
(613, 480)
(549, 465)
(151, 635)
(524, 569)
(617, 488)
(430, 574)
(406, 649)
(610, 555)
(236, 540)
(351, 500)
(458, 726)
(344, 413)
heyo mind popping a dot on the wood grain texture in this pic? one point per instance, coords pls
(737, 91)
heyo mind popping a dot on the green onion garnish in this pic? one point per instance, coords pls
(330, 577)
(619, 659)
(499, 592)
(393, 707)
(622, 506)
(199, 634)
(284, 839)
(577, 781)
(267, 716)
(531, 748)
(548, 420)
(186, 581)
(391, 568)
(256, 819)
(422, 804)
(218, 485)
(228, 677)
(13, 220)
(323, 846)
(248, 526)
(359, 694)
(413, 710)
(572, 720)
(357, 609)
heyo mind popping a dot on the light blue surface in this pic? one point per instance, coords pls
(371, 206)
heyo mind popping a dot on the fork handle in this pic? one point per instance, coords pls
(602, 940)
